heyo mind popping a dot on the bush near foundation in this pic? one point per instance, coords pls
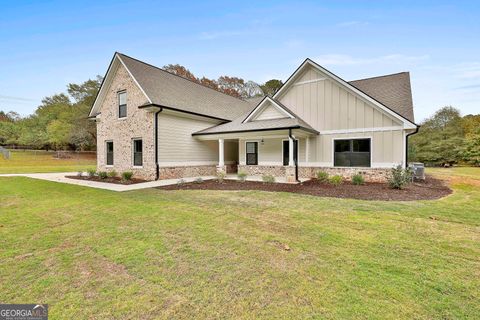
(399, 177)
(322, 176)
(268, 178)
(127, 175)
(335, 180)
(358, 179)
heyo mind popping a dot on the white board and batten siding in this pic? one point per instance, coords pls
(269, 112)
(337, 113)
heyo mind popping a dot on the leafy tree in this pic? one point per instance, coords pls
(271, 87)
(181, 71)
(440, 138)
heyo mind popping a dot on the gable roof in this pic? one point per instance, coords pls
(168, 90)
(241, 125)
(277, 104)
(409, 124)
(393, 90)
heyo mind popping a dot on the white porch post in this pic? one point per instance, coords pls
(290, 152)
(221, 156)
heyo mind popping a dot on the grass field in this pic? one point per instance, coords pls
(149, 254)
(42, 161)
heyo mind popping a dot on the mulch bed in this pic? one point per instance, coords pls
(429, 189)
(116, 180)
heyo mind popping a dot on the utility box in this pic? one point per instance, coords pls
(418, 170)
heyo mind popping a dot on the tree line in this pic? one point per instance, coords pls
(447, 138)
(60, 122)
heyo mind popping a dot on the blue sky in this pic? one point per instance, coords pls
(45, 45)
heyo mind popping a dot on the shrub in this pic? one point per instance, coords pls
(112, 174)
(268, 178)
(127, 175)
(322, 176)
(220, 176)
(102, 174)
(335, 180)
(198, 180)
(91, 173)
(357, 179)
(242, 176)
(181, 182)
(399, 177)
(79, 173)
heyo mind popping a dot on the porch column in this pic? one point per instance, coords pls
(221, 156)
(290, 152)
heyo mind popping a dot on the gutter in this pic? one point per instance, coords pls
(295, 158)
(157, 166)
(406, 144)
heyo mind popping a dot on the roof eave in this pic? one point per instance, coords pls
(257, 130)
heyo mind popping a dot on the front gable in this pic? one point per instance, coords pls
(268, 109)
(330, 104)
(116, 69)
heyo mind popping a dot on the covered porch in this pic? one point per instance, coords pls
(275, 152)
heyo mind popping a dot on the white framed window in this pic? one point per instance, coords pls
(122, 104)
(251, 153)
(109, 152)
(352, 152)
(137, 145)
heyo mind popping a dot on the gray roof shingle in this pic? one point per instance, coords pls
(169, 90)
(259, 125)
(391, 90)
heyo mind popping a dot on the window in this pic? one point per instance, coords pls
(122, 104)
(286, 153)
(251, 149)
(109, 147)
(352, 153)
(137, 152)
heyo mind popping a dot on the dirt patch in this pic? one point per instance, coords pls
(115, 180)
(429, 189)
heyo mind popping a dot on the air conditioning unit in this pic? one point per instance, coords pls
(418, 170)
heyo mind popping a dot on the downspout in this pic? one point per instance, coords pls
(406, 145)
(295, 158)
(157, 166)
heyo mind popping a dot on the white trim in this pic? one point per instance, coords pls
(135, 80)
(258, 152)
(307, 149)
(106, 153)
(309, 81)
(361, 130)
(407, 124)
(113, 67)
(350, 138)
(191, 163)
(257, 108)
(133, 153)
(221, 152)
(298, 151)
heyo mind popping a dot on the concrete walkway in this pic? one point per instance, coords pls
(60, 177)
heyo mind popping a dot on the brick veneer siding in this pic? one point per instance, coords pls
(137, 124)
(370, 174)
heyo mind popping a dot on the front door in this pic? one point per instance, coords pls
(286, 147)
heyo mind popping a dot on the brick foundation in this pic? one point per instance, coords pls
(370, 174)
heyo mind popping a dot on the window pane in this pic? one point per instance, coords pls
(251, 159)
(251, 147)
(122, 98)
(361, 145)
(360, 159)
(110, 153)
(137, 152)
(122, 111)
(342, 145)
(138, 145)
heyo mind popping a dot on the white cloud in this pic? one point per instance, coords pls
(14, 99)
(343, 59)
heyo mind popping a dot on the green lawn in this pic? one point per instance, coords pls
(42, 161)
(148, 254)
